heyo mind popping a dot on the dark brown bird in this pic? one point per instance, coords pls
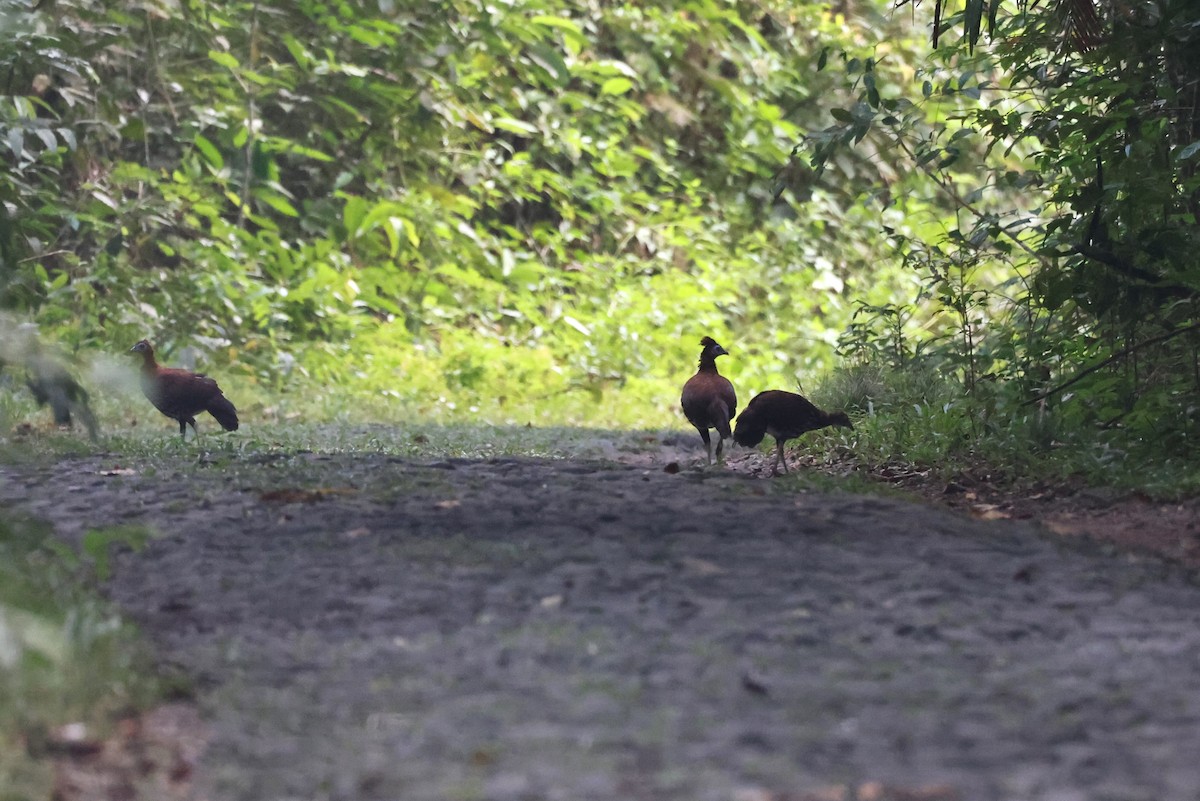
(181, 395)
(783, 415)
(53, 386)
(48, 379)
(708, 398)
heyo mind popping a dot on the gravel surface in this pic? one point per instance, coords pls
(369, 627)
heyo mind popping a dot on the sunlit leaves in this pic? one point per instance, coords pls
(210, 152)
(616, 86)
(226, 60)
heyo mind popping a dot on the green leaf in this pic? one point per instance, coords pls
(550, 60)
(16, 142)
(224, 59)
(1188, 151)
(514, 126)
(570, 29)
(354, 213)
(277, 202)
(47, 137)
(209, 151)
(298, 51)
(616, 86)
(301, 150)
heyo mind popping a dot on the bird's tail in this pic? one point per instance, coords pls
(220, 408)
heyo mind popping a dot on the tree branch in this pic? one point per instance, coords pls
(1121, 354)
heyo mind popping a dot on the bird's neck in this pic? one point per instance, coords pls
(149, 365)
(708, 364)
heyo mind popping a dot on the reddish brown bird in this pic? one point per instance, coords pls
(783, 415)
(181, 395)
(708, 398)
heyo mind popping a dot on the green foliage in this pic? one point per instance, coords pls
(593, 184)
(1071, 272)
(65, 657)
(533, 211)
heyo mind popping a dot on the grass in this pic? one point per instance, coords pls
(916, 419)
(65, 655)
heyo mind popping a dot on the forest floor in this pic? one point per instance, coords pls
(361, 625)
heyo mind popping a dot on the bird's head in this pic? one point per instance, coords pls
(142, 347)
(840, 419)
(711, 348)
(750, 429)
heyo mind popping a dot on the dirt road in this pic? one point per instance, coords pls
(369, 627)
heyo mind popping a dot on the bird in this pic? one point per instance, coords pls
(182, 394)
(708, 398)
(53, 386)
(47, 378)
(783, 415)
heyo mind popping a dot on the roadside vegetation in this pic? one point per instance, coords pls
(444, 218)
(984, 250)
(69, 667)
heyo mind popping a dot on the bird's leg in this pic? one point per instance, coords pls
(720, 447)
(183, 430)
(707, 442)
(775, 461)
(782, 455)
(192, 423)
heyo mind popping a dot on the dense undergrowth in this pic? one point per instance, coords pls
(529, 213)
(68, 665)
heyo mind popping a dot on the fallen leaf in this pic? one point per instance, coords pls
(118, 471)
(355, 533)
(448, 504)
(551, 602)
(989, 511)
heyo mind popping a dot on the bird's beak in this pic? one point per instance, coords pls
(721, 351)
(133, 349)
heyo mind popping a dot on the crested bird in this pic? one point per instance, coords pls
(182, 394)
(783, 415)
(708, 398)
